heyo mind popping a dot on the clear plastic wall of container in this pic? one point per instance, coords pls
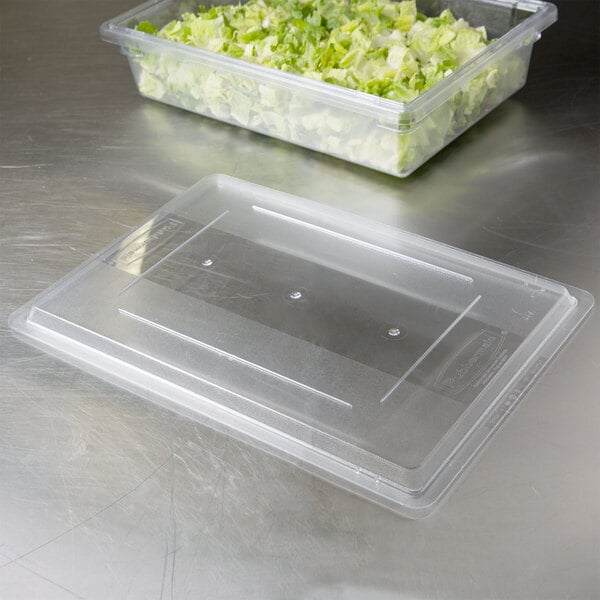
(389, 136)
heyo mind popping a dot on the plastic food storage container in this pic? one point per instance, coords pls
(376, 359)
(386, 135)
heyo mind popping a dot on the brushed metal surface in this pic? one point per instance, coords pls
(104, 495)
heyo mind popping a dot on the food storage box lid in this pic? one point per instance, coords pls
(372, 357)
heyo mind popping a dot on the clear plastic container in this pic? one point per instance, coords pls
(386, 135)
(376, 359)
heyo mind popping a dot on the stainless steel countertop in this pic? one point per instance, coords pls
(105, 495)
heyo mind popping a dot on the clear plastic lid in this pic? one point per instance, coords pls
(372, 357)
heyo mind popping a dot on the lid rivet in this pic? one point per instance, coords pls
(295, 295)
(394, 331)
(208, 262)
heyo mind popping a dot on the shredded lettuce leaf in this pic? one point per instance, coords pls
(381, 47)
(147, 27)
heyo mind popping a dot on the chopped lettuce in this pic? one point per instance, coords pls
(147, 27)
(381, 47)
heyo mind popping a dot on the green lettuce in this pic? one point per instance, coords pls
(380, 47)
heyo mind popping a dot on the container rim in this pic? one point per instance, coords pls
(543, 14)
